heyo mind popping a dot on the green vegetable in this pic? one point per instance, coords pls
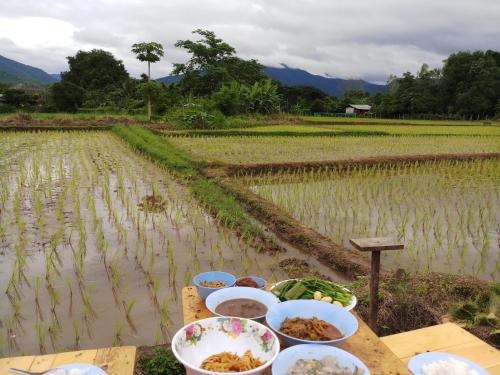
(296, 291)
(306, 287)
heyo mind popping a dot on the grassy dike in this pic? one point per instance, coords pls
(220, 204)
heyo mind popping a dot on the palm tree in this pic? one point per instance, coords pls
(150, 52)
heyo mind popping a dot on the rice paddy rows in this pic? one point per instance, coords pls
(96, 242)
(249, 150)
(445, 212)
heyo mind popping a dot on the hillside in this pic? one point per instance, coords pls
(298, 77)
(13, 72)
(332, 86)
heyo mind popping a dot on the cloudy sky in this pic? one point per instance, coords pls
(367, 39)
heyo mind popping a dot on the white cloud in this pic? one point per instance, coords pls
(358, 38)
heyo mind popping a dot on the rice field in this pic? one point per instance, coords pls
(374, 120)
(96, 242)
(257, 149)
(387, 129)
(445, 212)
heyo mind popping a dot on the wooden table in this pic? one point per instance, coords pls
(114, 361)
(364, 344)
(449, 338)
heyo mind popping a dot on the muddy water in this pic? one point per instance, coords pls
(76, 249)
(446, 213)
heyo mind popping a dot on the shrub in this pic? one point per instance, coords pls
(197, 116)
(162, 362)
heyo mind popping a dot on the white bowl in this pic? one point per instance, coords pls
(352, 303)
(266, 298)
(288, 357)
(337, 316)
(195, 342)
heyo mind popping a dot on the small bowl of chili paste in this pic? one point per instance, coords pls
(251, 282)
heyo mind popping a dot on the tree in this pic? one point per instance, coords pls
(150, 52)
(213, 64)
(19, 98)
(66, 96)
(471, 82)
(95, 70)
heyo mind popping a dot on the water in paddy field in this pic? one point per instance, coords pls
(82, 264)
(446, 213)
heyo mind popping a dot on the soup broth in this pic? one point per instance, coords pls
(242, 308)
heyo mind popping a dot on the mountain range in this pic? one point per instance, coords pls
(13, 72)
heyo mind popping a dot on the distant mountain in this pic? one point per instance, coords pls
(332, 86)
(298, 77)
(169, 79)
(56, 76)
(14, 72)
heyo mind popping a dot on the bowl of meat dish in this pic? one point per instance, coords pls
(252, 282)
(225, 345)
(311, 322)
(318, 360)
(242, 302)
(208, 282)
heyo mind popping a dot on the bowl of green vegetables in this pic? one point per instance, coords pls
(316, 289)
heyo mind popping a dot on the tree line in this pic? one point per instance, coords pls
(214, 82)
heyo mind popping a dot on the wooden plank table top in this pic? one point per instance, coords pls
(364, 344)
(114, 361)
(377, 244)
(449, 338)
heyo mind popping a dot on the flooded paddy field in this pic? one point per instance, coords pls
(446, 212)
(96, 243)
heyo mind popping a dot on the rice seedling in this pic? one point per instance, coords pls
(436, 208)
(76, 334)
(265, 149)
(40, 333)
(70, 222)
(117, 337)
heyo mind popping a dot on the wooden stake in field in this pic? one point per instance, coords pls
(376, 245)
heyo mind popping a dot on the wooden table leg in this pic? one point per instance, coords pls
(374, 280)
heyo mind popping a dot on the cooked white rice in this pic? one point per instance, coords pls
(448, 367)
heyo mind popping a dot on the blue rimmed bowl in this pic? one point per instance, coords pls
(288, 357)
(337, 316)
(197, 341)
(204, 291)
(266, 298)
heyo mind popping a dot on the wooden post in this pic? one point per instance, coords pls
(375, 246)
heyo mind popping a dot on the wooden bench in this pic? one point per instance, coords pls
(114, 361)
(449, 338)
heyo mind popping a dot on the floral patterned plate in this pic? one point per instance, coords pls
(195, 342)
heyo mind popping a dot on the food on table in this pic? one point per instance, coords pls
(241, 308)
(313, 329)
(231, 362)
(247, 281)
(328, 365)
(313, 288)
(213, 284)
(450, 366)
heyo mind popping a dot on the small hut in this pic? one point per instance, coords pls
(359, 109)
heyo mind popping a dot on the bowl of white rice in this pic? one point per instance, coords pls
(435, 363)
